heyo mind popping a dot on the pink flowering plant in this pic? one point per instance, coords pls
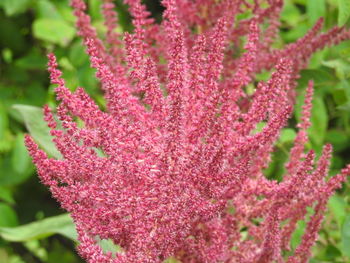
(174, 167)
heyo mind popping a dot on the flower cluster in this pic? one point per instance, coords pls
(174, 166)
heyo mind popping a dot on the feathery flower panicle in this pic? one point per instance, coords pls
(178, 171)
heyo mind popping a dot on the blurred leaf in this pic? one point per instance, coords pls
(259, 127)
(21, 161)
(337, 206)
(319, 120)
(345, 107)
(341, 67)
(345, 239)
(171, 260)
(46, 9)
(329, 253)
(5, 257)
(344, 12)
(290, 13)
(65, 11)
(298, 234)
(33, 119)
(339, 96)
(13, 7)
(317, 59)
(6, 195)
(295, 32)
(34, 60)
(7, 55)
(108, 245)
(337, 163)
(77, 55)
(287, 135)
(338, 139)
(94, 9)
(53, 30)
(321, 77)
(3, 122)
(87, 79)
(61, 224)
(8, 216)
(315, 10)
(9, 176)
(12, 36)
(36, 249)
(58, 252)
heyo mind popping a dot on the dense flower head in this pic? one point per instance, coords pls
(174, 166)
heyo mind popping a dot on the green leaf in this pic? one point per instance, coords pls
(315, 10)
(341, 67)
(58, 252)
(290, 14)
(171, 260)
(36, 249)
(77, 55)
(5, 135)
(337, 206)
(298, 234)
(8, 176)
(46, 9)
(33, 120)
(344, 12)
(61, 224)
(8, 216)
(345, 237)
(108, 245)
(319, 120)
(95, 9)
(259, 127)
(33, 60)
(338, 138)
(287, 135)
(329, 253)
(3, 122)
(53, 30)
(21, 162)
(321, 77)
(6, 195)
(13, 7)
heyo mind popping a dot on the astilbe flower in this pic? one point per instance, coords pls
(174, 167)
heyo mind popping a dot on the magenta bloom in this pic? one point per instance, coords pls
(174, 167)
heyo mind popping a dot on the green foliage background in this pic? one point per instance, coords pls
(32, 226)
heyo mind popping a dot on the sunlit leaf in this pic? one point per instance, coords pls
(53, 30)
(344, 11)
(13, 7)
(21, 162)
(319, 120)
(338, 138)
(287, 135)
(345, 238)
(315, 10)
(298, 234)
(6, 195)
(337, 206)
(62, 224)
(8, 216)
(33, 120)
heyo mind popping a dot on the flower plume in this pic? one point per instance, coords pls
(174, 166)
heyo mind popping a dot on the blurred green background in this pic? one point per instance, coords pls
(32, 226)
